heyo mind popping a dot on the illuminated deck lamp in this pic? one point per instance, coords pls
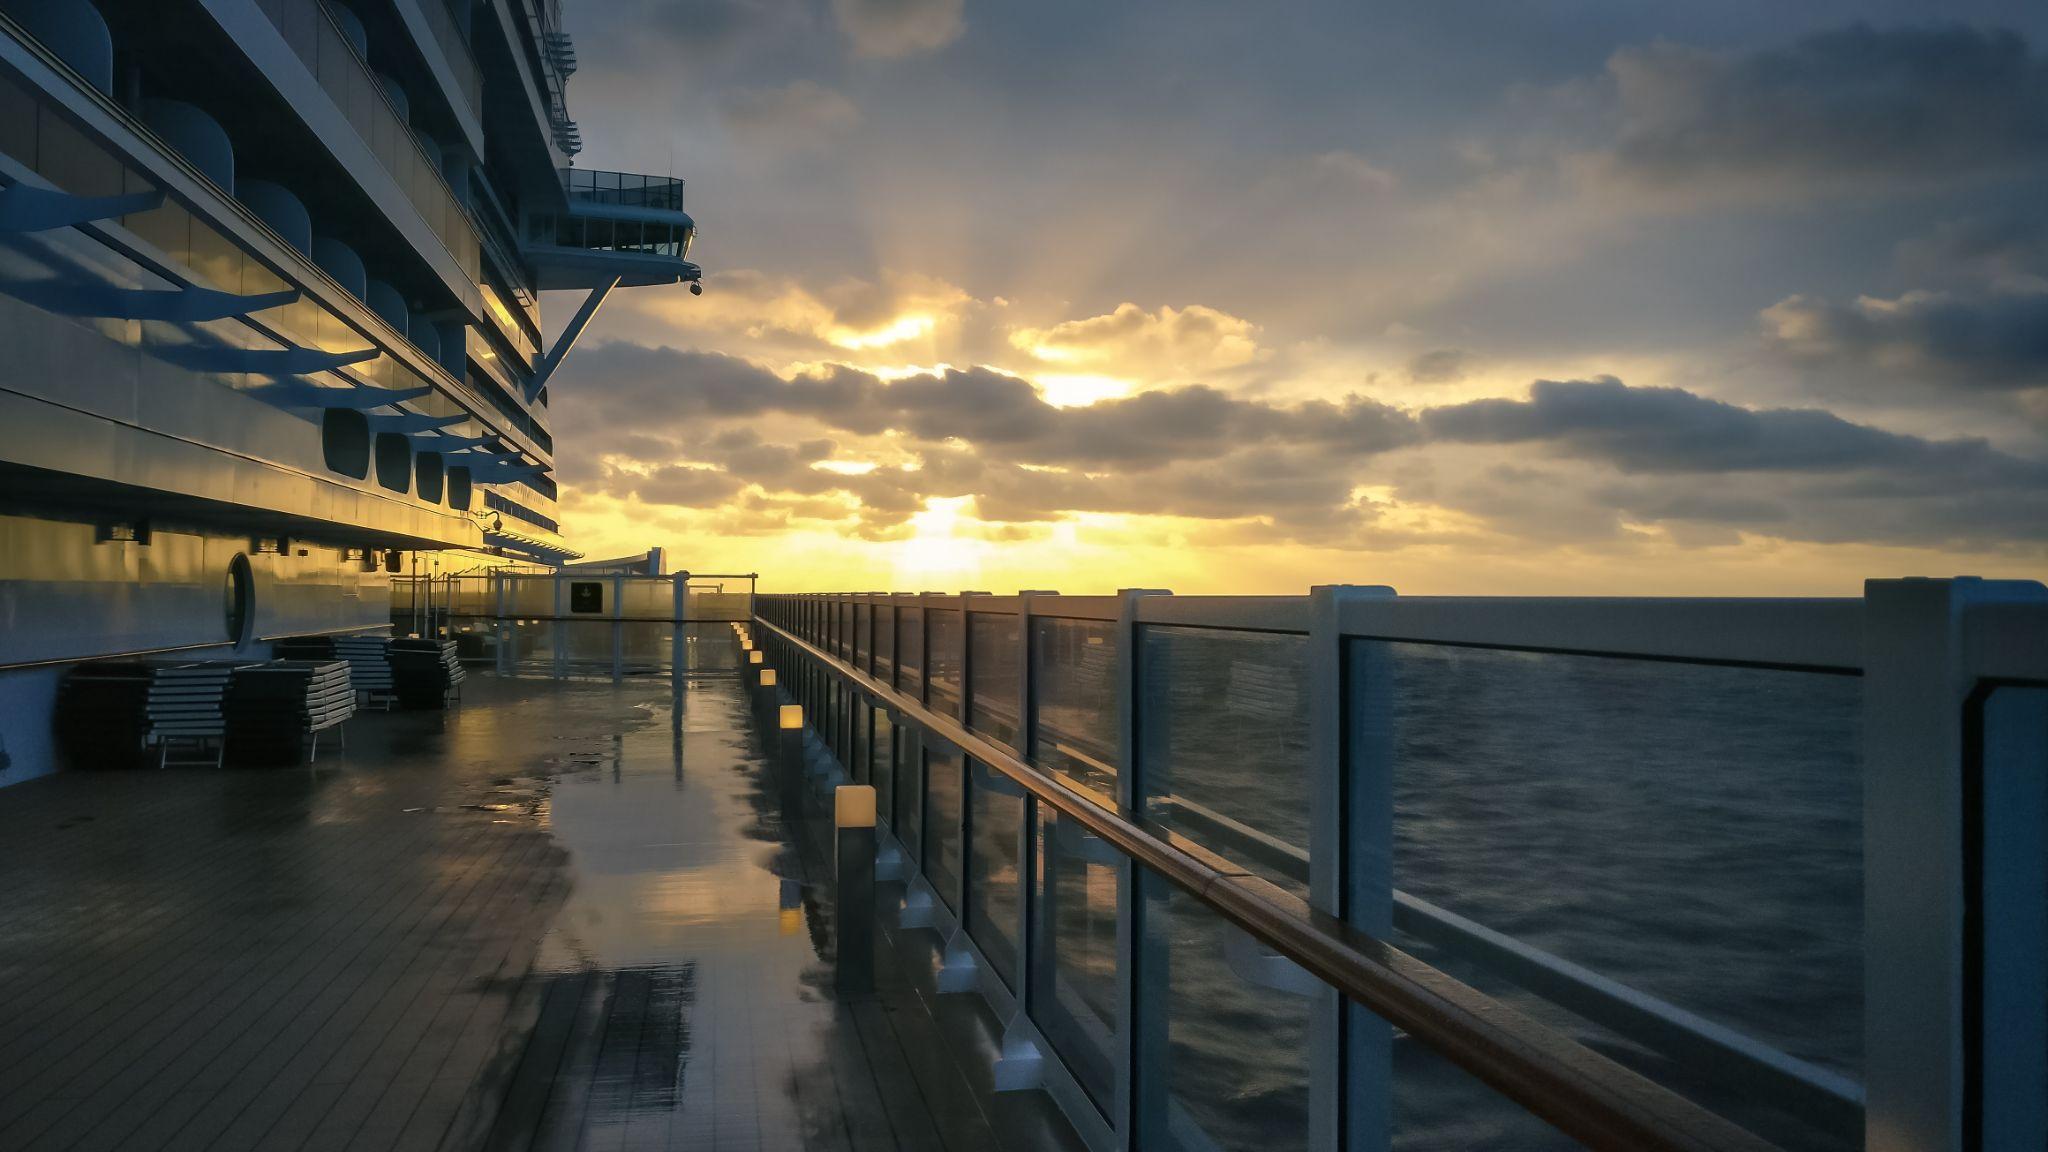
(790, 746)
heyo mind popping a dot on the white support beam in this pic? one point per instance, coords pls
(567, 340)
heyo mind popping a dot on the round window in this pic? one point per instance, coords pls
(241, 596)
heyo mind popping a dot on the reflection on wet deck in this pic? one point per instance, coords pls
(562, 916)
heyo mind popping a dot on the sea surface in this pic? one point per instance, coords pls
(1693, 832)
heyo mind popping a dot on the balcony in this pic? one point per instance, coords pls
(619, 225)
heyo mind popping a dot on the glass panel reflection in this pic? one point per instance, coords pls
(942, 660)
(1693, 832)
(995, 904)
(1227, 1051)
(910, 652)
(1073, 971)
(944, 803)
(884, 761)
(1225, 744)
(1073, 673)
(992, 654)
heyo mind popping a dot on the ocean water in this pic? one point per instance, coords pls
(1693, 832)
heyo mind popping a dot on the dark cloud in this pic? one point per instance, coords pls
(1844, 108)
(1942, 340)
(2004, 249)
(1670, 430)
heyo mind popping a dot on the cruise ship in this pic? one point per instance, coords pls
(645, 857)
(270, 274)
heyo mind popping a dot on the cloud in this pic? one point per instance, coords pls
(1355, 171)
(1858, 109)
(1942, 340)
(1441, 366)
(802, 116)
(890, 29)
(1169, 342)
(1680, 463)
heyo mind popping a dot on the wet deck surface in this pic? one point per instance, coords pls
(560, 916)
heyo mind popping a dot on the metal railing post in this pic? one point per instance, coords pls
(558, 630)
(618, 628)
(1915, 859)
(1142, 973)
(679, 585)
(1350, 847)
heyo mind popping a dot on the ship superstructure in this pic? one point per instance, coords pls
(269, 295)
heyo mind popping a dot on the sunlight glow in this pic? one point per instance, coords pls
(1078, 390)
(939, 552)
(911, 327)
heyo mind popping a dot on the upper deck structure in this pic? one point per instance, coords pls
(269, 282)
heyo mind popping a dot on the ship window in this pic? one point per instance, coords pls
(427, 471)
(458, 489)
(345, 441)
(394, 461)
(240, 598)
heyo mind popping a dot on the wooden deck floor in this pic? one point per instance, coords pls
(560, 916)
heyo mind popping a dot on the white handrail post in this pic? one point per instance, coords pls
(1916, 690)
(1140, 1061)
(1350, 848)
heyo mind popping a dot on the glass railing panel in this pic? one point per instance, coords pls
(1073, 969)
(645, 598)
(1224, 741)
(885, 642)
(883, 758)
(942, 655)
(910, 652)
(857, 743)
(909, 807)
(1073, 675)
(708, 648)
(945, 783)
(995, 892)
(992, 674)
(646, 649)
(1222, 1038)
(863, 616)
(1693, 832)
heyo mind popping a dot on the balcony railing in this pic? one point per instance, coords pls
(623, 189)
(320, 43)
(1352, 869)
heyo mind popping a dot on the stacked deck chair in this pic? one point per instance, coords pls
(184, 708)
(102, 718)
(369, 667)
(424, 672)
(369, 664)
(273, 709)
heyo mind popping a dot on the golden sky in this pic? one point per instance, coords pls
(1591, 301)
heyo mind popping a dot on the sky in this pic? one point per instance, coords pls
(1545, 297)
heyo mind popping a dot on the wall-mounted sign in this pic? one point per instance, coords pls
(586, 596)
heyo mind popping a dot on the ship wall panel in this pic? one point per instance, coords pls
(66, 596)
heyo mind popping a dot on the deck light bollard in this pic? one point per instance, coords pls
(790, 755)
(853, 822)
(764, 694)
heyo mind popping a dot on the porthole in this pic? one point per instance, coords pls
(240, 599)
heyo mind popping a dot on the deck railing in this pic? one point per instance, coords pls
(1354, 870)
(566, 622)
